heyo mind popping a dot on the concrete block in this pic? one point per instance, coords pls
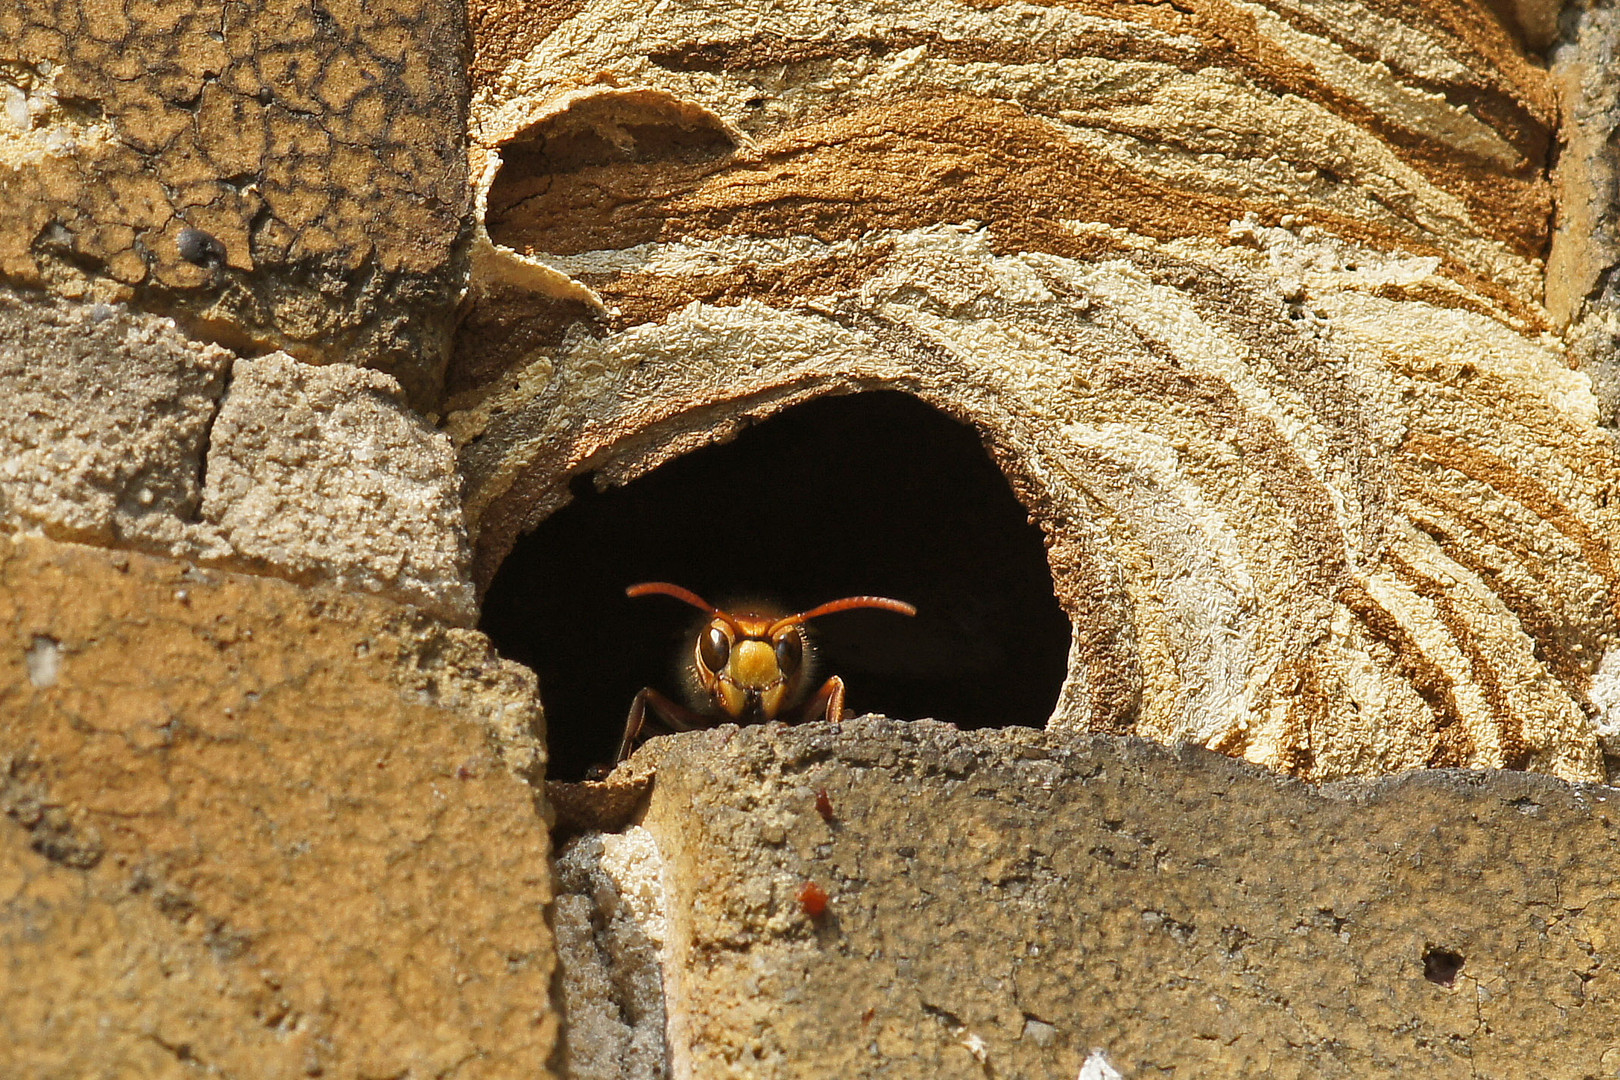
(104, 417)
(109, 421)
(610, 924)
(262, 830)
(1008, 903)
(325, 474)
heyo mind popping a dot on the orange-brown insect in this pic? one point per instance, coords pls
(748, 667)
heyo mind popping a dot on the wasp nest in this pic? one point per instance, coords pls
(1250, 317)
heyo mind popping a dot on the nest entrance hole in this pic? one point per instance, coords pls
(873, 493)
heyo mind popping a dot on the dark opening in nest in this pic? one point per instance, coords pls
(870, 493)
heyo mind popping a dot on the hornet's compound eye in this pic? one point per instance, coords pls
(714, 648)
(789, 651)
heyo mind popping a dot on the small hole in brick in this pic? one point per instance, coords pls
(1440, 966)
(875, 493)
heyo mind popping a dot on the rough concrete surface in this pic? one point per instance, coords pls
(104, 417)
(1003, 903)
(1246, 300)
(1583, 294)
(273, 173)
(324, 474)
(116, 429)
(258, 830)
(610, 924)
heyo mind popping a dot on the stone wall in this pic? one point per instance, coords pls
(1289, 323)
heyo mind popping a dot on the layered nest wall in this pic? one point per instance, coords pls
(1315, 486)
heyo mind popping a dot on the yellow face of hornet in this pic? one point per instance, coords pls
(751, 666)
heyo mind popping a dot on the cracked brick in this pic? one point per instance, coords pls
(319, 145)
